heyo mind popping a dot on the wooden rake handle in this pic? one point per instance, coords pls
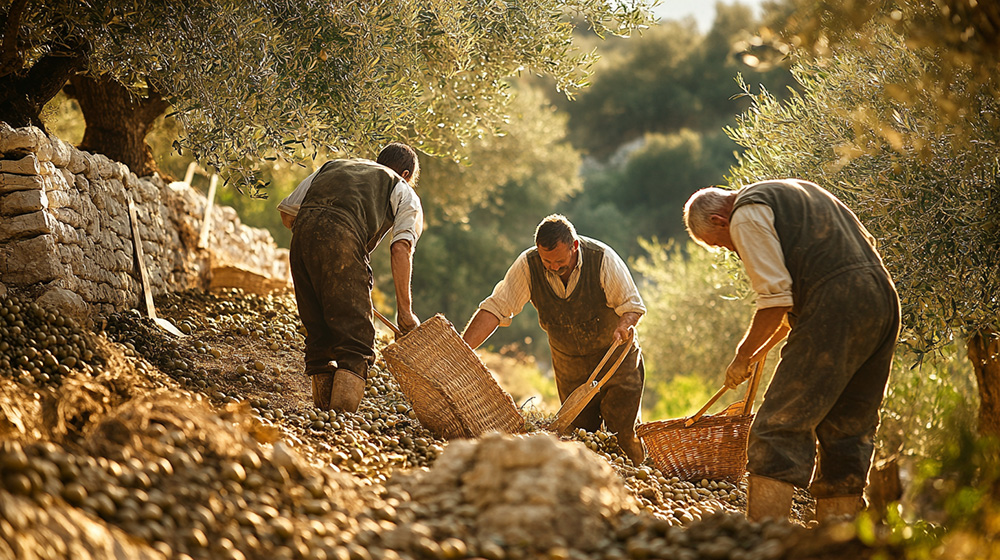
(582, 395)
(604, 360)
(388, 323)
(697, 415)
(614, 367)
(748, 402)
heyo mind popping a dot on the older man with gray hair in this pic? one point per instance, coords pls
(818, 278)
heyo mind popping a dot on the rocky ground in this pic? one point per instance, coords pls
(119, 440)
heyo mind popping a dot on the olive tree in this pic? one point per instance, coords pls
(255, 81)
(697, 308)
(921, 170)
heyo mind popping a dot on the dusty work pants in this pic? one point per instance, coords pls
(617, 404)
(333, 283)
(828, 387)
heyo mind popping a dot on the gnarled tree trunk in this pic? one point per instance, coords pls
(984, 352)
(24, 91)
(118, 121)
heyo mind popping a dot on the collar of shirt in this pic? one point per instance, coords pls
(574, 277)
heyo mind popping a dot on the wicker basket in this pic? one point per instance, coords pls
(452, 393)
(713, 447)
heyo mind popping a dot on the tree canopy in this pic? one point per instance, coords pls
(673, 78)
(251, 82)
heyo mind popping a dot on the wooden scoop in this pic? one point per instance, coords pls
(582, 395)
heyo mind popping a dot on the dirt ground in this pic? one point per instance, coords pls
(207, 446)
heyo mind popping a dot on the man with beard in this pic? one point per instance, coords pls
(586, 300)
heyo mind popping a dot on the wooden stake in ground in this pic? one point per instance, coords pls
(143, 277)
(206, 222)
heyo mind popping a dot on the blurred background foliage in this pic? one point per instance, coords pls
(890, 104)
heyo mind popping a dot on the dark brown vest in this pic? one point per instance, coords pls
(820, 237)
(582, 323)
(358, 191)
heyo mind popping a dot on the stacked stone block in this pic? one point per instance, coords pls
(64, 226)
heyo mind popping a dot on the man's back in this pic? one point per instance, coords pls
(358, 191)
(819, 236)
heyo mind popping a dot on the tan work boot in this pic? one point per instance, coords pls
(347, 391)
(322, 383)
(838, 507)
(767, 497)
(632, 448)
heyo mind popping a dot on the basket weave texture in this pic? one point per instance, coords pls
(714, 447)
(452, 392)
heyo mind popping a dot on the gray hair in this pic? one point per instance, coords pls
(701, 206)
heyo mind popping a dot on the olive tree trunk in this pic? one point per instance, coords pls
(118, 121)
(24, 91)
(984, 352)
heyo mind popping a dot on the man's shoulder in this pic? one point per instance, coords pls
(596, 245)
(357, 164)
(777, 185)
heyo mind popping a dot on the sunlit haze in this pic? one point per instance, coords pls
(702, 10)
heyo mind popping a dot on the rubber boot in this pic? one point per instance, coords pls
(767, 497)
(632, 448)
(838, 507)
(322, 384)
(347, 391)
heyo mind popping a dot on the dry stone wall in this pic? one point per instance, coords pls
(65, 229)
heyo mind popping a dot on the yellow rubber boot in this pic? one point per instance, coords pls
(840, 506)
(347, 391)
(767, 497)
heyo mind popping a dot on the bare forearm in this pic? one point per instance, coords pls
(626, 323)
(777, 337)
(765, 325)
(402, 272)
(480, 328)
(287, 219)
(629, 319)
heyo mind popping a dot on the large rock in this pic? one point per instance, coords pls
(23, 202)
(28, 165)
(530, 491)
(66, 303)
(29, 261)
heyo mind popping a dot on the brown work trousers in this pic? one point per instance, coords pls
(822, 405)
(333, 282)
(617, 404)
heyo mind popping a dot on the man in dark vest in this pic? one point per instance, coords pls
(819, 278)
(338, 216)
(586, 300)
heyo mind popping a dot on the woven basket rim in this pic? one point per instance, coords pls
(703, 422)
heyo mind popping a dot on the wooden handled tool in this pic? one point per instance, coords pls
(388, 323)
(747, 402)
(582, 395)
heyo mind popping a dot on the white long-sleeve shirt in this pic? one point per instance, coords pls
(751, 228)
(511, 293)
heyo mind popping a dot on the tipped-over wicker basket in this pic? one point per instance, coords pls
(711, 447)
(452, 393)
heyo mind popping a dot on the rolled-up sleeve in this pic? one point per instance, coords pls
(619, 287)
(752, 230)
(409, 214)
(511, 293)
(291, 203)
